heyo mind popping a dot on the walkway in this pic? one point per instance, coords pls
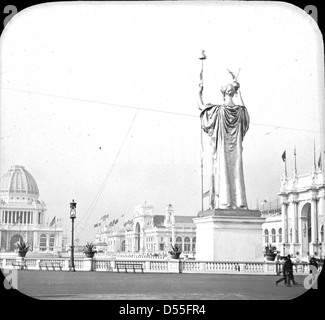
(129, 286)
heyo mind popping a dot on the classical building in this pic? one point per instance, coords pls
(23, 215)
(297, 226)
(148, 232)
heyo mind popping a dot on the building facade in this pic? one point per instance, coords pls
(297, 227)
(149, 233)
(23, 215)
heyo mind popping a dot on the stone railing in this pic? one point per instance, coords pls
(159, 265)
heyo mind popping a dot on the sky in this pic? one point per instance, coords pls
(99, 100)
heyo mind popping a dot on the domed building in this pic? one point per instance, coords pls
(23, 215)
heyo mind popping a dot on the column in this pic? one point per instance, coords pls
(143, 249)
(320, 212)
(8, 244)
(314, 231)
(284, 210)
(35, 241)
(295, 222)
(47, 243)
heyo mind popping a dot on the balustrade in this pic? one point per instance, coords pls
(154, 264)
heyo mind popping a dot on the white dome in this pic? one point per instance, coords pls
(18, 181)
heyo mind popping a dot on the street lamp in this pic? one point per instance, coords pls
(73, 206)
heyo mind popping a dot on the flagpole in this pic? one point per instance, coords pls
(202, 58)
(201, 172)
(295, 161)
(284, 158)
(314, 155)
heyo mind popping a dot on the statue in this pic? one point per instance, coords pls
(226, 125)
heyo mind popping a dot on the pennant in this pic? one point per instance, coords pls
(206, 194)
(53, 221)
(320, 161)
(104, 217)
(284, 156)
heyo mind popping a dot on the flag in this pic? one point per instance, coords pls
(320, 161)
(206, 194)
(284, 156)
(53, 221)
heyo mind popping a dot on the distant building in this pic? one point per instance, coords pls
(148, 232)
(297, 227)
(23, 215)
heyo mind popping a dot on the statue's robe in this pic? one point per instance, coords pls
(226, 127)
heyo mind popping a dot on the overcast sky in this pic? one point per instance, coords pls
(98, 100)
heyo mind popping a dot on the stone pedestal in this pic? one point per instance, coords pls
(19, 263)
(295, 247)
(313, 249)
(88, 264)
(270, 267)
(229, 235)
(173, 266)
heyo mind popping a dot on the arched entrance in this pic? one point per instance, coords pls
(137, 237)
(14, 239)
(306, 226)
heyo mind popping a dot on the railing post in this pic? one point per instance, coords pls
(269, 267)
(66, 264)
(173, 266)
(147, 266)
(88, 264)
(241, 267)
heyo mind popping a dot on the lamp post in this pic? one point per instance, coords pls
(73, 206)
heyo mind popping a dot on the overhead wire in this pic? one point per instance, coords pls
(102, 187)
(144, 109)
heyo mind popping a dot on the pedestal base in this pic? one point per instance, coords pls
(229, 235)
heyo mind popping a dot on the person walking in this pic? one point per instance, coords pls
(284, 271)
(313, 262)
(289, 271)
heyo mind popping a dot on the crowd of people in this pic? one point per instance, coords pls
(287, 270)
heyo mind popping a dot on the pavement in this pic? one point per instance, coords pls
(82, 285)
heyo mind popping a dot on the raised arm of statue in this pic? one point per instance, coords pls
(240, 99)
